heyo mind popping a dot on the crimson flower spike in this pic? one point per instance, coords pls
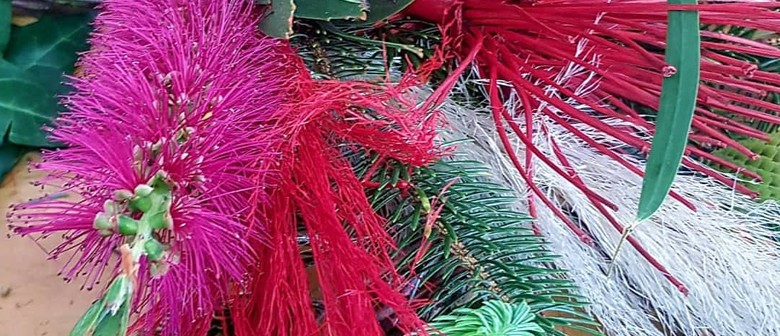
(318, 190)
(528, 44)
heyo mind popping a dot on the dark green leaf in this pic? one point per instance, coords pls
(37, 56)
(5, 23)
(330, 9)
(49, 46)
(382, 9)
(279, 20)
(25, 106)
(678, 100)
(9, 156)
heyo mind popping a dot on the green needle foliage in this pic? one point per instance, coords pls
(495, 318)
(478, 250)
(344, 50)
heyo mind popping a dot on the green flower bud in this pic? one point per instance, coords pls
(143, 204)
(143, 190)
(109, 207)
(153, 249)
(102, 221)
(123, 195)
(127, 226)
(160, 220)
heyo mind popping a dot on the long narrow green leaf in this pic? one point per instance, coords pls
(678, 100)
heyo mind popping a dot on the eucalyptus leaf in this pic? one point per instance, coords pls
(675, 114)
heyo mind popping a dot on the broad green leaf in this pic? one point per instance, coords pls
(49, 48)
(25, 106)
(9, 156)
(5, 23)
(678, 100)
(382, 9)
(330, 9)
(278, 21)
(31, 76)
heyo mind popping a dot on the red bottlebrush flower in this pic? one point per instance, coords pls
(599, 55)
(177, 89)
(320, 192)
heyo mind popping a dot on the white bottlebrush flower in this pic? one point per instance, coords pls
(719, 252)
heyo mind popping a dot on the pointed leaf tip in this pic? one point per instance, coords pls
(675, 112)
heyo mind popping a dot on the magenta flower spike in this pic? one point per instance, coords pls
(164, 134)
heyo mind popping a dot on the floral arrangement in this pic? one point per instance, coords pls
(406, 167)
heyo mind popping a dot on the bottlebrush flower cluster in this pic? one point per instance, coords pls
(540, 49)
(321, 200)
(175, 90)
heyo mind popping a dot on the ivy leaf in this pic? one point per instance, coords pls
(675, 113)
(5, 23)
(379, 10)
(31, 76)
(279, 20)
(330, 9)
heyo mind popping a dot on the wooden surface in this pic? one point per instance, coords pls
(34, 301)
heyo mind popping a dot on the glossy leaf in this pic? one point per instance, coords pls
(382, 9)
(278, 21)
(678, 100)
(5, 23)
(25, 106)
(31, 76)
(330, 9)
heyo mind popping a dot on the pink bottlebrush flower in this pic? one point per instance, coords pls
(174, 88)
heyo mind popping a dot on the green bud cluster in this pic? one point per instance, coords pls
(151, 204)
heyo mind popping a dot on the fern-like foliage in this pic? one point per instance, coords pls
(495, 318)
(462, 247)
